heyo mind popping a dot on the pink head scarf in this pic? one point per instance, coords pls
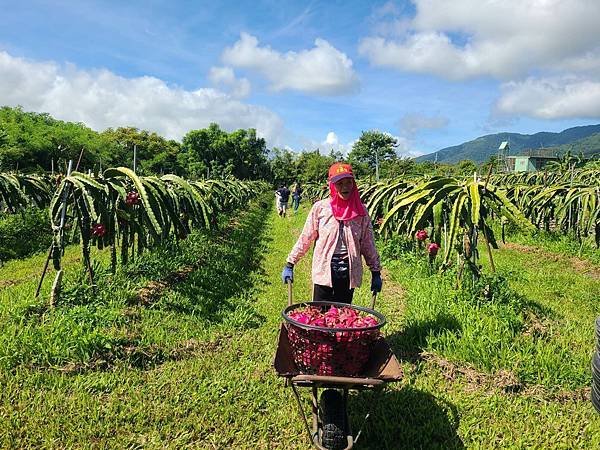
(344, 209)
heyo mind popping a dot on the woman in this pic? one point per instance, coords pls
(343, 233)
(296, 196)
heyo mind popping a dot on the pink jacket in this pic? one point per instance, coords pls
(323, 227)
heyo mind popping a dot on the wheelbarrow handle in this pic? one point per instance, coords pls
(373, 299)
(289, 286)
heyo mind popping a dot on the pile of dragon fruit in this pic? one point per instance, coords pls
(325, 352)
(343, 317)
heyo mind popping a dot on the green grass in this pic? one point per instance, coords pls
(192, 367)
(515, 368)
(556, 242)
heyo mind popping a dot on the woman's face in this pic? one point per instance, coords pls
(344, 187)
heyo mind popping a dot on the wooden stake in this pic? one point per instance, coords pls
(37, 292)
(79, 160)
(55, 292)
(60, 230)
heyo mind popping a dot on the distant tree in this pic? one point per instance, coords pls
(313, 167)
(3, 137)
(35, 140)
(370, 147)
(491, 162)
(397, 167)
(336, 155)
(283, 166)
(427, 168)
(154, 154)
(249, 154)
(466, 167)
(241, 153)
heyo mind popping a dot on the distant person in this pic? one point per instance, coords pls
(296, 195)
(283, 197)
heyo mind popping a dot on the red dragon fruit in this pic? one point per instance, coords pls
(433, 249)
(98, 230)
(421, 235)
(132, 198)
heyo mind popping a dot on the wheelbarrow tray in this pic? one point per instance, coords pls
(382, 367)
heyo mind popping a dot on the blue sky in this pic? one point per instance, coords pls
(432, 73)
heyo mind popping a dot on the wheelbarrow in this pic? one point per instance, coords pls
(330, 428)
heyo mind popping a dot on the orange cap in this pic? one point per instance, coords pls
(338, 171)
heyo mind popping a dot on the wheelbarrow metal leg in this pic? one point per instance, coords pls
(347, 420)
(299, 401)
(373, 405)
(315, 411)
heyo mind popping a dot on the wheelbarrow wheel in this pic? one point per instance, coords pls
(333, 418)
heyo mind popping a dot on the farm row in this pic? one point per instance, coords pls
(175, 349)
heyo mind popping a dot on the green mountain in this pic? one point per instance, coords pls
(584, 139)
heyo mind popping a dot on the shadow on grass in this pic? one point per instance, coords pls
(410, 342)
(219, 290)
(223, 284)
(406, 418)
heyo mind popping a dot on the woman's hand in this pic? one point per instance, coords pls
(288, 273)
(376, 282)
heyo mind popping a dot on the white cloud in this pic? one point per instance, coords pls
(331, 139)
(321, 70)
(332, 142)
(224, 77)
(551, 98)
(411, 124)
(382, 25)
(102, 99)
(503, 39)
(404, 146)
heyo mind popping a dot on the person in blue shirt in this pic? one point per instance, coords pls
(283, 197)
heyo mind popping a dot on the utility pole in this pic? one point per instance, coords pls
(134, 157)
(376, 161)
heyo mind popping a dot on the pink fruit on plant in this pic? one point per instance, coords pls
(421, 235)
(433, 249)
(132, 198)
(98, 230)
